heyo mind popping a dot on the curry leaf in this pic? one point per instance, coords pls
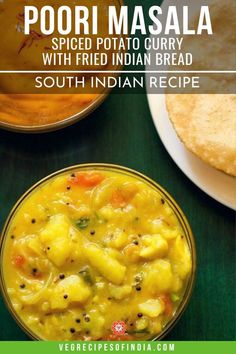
(82, 223)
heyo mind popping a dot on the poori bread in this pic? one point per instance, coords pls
(206, 121)
(206, 124)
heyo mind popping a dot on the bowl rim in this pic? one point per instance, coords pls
(133, 173)
(57, 125)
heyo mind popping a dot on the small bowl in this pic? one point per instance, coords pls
(67, 121)
(125, 171)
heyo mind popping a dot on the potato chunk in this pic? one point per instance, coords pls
(109, 267)
(34, 245)
(158, 276)
(180, 258)
(153, 246)
(56, 239)
(152, 307)
(119, 239)
(68, 290)
(141, 324)
(120, 292)
(96, 324)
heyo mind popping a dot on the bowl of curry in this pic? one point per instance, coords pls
(26, 109)
(93, 246)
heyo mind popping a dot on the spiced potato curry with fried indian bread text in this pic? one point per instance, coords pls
(24, 52)
(90, 247)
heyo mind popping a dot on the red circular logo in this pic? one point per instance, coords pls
(118, 327)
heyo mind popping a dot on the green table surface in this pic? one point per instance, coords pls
(121, 131)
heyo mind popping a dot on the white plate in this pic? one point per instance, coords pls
(215, 183)
(218, 185)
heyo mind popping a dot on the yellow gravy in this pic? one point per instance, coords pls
(90, 248)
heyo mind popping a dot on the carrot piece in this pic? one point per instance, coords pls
(168, 304)
(86, 179)
(118, 200)
(18, 260)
